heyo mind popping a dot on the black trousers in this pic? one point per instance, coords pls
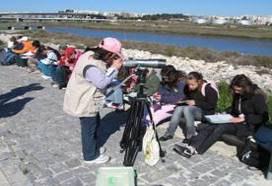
(210, 134)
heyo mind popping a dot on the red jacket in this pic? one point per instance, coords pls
(70, 57)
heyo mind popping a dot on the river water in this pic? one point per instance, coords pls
(241, 45)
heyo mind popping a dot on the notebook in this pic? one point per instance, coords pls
(219, 118)
(182, 103)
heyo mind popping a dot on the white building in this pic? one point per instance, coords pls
(220, 20)
(245, 22)
(87, 12)
(200, 20)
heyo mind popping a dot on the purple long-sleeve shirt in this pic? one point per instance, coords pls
(99, 78)
(170, 96)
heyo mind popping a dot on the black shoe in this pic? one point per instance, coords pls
(62, 87)
(186, 141)
(183, 151)
(165, 138)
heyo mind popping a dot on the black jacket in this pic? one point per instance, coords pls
(207, 103)
(253, 106)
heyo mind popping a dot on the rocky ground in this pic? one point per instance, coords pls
(40, 145)
(218, 71)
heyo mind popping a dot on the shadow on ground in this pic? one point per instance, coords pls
(12, 102)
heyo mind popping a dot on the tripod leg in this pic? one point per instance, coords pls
(128, 126)
(135, 135)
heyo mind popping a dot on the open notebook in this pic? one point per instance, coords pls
(27, 55)
(219, 118)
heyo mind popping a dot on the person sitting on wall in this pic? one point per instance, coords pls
(249, 111)
(200, 99)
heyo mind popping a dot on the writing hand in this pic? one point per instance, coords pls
(190, 102)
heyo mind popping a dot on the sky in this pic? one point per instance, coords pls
(194, 7)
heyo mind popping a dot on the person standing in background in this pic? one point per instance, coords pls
(84, 96)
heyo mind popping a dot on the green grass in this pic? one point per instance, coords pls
(179, 28)
(225, 99)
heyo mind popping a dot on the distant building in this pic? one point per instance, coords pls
(262, 20)
(69, 11)
(220, 20)
(87, 12)
(200, 20)
(245, 22)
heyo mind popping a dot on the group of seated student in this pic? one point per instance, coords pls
(200, 99)
(182, 98)
(54, 65)
(186, 99)
(249, 111)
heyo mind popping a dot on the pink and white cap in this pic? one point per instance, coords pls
(112, 45)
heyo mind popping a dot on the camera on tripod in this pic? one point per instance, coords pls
(135, 129)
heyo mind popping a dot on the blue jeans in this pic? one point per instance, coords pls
(61, 76)
(89, 126)
(116, 96)
(185, 116)
(47, 70)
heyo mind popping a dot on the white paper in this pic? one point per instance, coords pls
(219, 118)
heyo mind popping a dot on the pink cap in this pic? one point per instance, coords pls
(112, 45)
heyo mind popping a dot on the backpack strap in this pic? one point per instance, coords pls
(212, 85)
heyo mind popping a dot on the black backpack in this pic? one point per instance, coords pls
(254, 155)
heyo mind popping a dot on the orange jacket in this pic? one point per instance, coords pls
(28, 47)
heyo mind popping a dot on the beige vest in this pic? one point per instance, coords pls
(82, 98)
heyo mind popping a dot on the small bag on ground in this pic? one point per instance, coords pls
(151, 147)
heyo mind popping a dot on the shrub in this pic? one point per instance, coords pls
(225, 98)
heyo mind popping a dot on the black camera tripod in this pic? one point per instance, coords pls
(135, 129)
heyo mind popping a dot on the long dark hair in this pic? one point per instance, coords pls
(170, 76)
(246, 84)
(101, 54)
(36, 44)
(165, 70)
(196, 76)
(173, 79)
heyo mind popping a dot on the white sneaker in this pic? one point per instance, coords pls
(102, 150)
(46, 77)
(108, 104)
(99, 160)
(55, 86)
